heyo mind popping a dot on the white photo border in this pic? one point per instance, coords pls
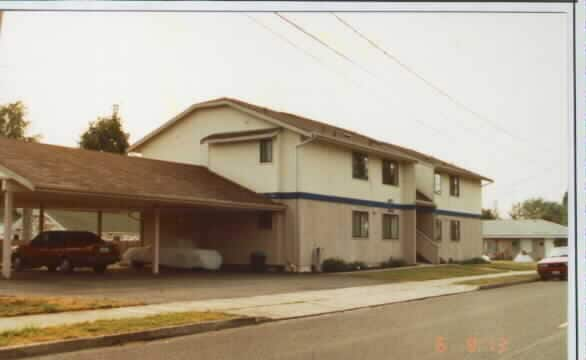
(576, 12)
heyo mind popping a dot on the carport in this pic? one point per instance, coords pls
(54, 177)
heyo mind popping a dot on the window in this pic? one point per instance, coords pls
(265, 221)
(266, 151)
(437, 232)
(455, 230)
(560, 242)
(40, 241)
(391, 172)
(454, 185)
(437, 183)
(360, 166)
(390, 226)
(360, 224)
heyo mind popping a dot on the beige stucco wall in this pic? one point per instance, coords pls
(469, 201)
(240, 162)
(327, 170)
(470, 244)
(329, 226)
(424, 177)
(181, 142)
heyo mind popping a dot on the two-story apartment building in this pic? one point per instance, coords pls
(346, 195)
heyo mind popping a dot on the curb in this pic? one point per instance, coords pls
(55, 347)
(496, 286)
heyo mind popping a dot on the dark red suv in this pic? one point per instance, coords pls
(66, 250)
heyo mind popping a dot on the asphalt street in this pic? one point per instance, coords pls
(519, 322)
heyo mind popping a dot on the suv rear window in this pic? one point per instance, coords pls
(80, 238)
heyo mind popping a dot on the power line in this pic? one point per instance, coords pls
(436, 88)
(349, 60)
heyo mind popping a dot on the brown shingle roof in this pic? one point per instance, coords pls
(313, 126)
(50, 167)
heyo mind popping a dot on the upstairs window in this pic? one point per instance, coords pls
(360, 166)
(359, 224)
(391, 172)
(455, 230)
(390, 226)
(266, 151)
(437, 183)
(454, 185)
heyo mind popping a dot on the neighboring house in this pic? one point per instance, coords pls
(346, 195)
(504, 239)
(121, 226)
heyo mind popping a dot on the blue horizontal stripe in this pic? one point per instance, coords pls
(362, 202)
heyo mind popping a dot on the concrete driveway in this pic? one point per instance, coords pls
(170, 285)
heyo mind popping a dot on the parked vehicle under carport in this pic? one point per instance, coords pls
(64, 251)
(175, 258)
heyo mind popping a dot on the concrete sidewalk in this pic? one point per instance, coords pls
(276, 307)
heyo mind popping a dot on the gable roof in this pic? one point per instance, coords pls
(523, 229)
(310, 127)
(50, 168)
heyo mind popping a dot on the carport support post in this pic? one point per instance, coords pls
(100, 224)
(27, 224)
(157, 243)
(41, 218)
(7, 242)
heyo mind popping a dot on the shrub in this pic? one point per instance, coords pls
(334, 265)
(474, 260)
(393, 263)
(356, 265)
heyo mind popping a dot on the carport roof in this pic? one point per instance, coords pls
(57, 169)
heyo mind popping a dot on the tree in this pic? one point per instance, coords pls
(489, 214)
(565, 209)
(106, 134)
(538, 208)
(13, 124)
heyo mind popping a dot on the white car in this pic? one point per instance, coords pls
(555, 265)
(183, 258)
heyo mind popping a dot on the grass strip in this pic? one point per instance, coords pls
(502, 280)
(509, 265)
(32, 335)
(20, 306)
(428, 273)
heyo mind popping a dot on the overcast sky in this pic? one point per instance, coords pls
(506, 76)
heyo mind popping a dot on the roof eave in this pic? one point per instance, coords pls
(364, 148)
(206, 105)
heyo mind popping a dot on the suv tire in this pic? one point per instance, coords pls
(65, 266)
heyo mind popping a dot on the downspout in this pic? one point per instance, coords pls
(297, 231)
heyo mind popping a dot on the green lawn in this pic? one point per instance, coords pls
(445, 271)
(502, 280)
(509, 265)
(427, 273)
(104, 327)
(19, 305)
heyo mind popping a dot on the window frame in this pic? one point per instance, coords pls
(360, 232)
(388, 233)
(390, 177)
(457, 226)
(362, 158)
(455, 185)
(266, 151)
(437, 183)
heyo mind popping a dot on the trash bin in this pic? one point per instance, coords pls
(258, 261)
